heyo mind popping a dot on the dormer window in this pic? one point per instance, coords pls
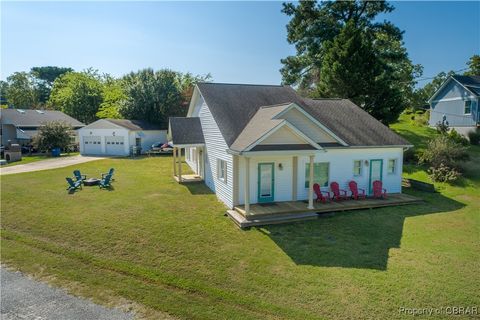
(468, 107)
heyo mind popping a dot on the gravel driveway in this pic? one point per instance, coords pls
(47, 164)
(24, 298)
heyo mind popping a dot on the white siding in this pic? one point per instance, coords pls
(307, 126)
(341, 171)
(216, 148)
(148, 138)
(282, 183)
(341, 168)
(284, 135)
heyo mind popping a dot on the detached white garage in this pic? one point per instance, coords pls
(118, 137)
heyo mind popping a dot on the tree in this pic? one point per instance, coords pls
(21, 91)
(113, 94)
(474, 66)
(187, 82)
(152, 96)
(318, 30)
(3, 92)
(55, 134)
(45, 76)
(78, 94)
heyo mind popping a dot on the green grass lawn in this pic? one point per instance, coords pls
(167, 249)
(34, 158)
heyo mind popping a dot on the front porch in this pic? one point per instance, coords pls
(288, 211)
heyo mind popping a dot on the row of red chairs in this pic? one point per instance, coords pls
(356, 192)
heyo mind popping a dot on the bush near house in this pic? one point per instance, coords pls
(474, 137)
(444, 155)
(55, 134)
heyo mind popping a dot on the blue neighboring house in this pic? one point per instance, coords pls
(456, 102)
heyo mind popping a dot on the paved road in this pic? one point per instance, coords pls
(24, 298)
(47, 164)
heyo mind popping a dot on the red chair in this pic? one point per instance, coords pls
(319, 193)
(354, 189)
(338, 194)
(378, 190)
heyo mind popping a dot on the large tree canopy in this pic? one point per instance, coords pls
(113, 95)
(44, 78)
(21, 91)
(78, 94)
(343, 52)
(473, 66)
(156, 96)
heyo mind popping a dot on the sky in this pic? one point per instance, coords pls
(236, 42)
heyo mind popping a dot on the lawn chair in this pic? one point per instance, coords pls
(378, 190)
(73, 185)
(110, 172)
(106, 182)
(338, 194)
(354, 189)
(78, 176)
(319, 193)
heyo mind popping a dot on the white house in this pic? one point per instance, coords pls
(117, 137)
(256, 144)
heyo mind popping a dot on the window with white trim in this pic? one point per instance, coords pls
(468, 107)
(357, 168)
(392, 166)
(222, 170)
(320, 174)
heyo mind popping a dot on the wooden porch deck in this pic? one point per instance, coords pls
(278, 212)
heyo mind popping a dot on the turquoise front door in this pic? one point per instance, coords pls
(266, 182)
(376, 170)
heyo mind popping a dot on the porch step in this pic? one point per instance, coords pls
(242, 222)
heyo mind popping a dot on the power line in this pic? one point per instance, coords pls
(428, 78)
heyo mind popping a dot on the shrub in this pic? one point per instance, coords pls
(474, 137)
(409, 156)
(443, 150)
(457, 137)
(442, 127)
(443, 173)
(55, 134)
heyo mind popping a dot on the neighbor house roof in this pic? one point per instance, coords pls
(35, 118)
(186, 131)
(135, 125)
(234, 107)
(471, 83)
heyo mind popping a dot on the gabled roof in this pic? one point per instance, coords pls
(471, 83)
(35, 118)
(233, 106)
(135, 125)
(186, 131)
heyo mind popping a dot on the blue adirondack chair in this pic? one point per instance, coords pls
(73, 185)
(110, 172)
(106, 182)
(78, 176)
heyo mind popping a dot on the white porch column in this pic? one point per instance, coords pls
(174, 161)
(246, 185)
(310, 185)
(294, 177)
(179, 150)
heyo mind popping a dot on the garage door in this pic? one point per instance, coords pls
(115, 146)
(92, 145)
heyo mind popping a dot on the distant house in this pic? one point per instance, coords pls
(117, 137)
(256, 144)
(456, 102)
(20, 125)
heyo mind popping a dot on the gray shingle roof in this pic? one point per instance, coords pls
(135, 125)
(186, 130)
(234, 105)
(35, 118)
(472, 83)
